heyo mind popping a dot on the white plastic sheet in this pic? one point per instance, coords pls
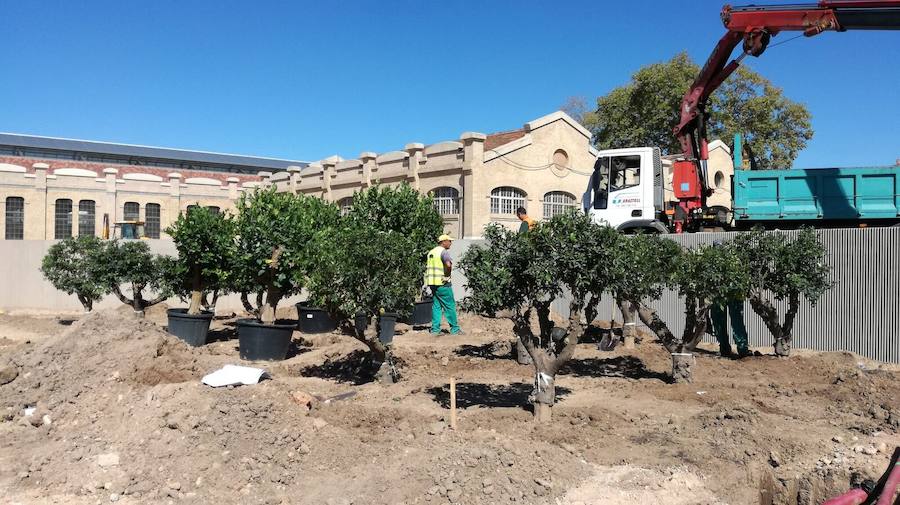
(234, 375)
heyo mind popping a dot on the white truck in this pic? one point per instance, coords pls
(631, 189)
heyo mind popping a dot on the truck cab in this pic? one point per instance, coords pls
(626, 190)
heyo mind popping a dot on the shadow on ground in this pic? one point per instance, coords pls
(491, 350)
(354, 368)
(471, 394)
(627, 367)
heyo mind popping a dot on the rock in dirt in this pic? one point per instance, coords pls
(436, 428)
(8, 373)
(303, 399)
(108, 459)
(775, 459)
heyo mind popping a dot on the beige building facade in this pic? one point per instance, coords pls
(475, 179)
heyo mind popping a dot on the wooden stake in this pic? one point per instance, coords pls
(452, 403)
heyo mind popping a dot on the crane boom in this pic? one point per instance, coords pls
(754, 26)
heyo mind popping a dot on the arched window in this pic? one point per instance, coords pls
(86, 218)
(345, 204)
(15, 218)
(132, 211)
(151, 227)
(719, 179)
(214, 209)
(557, 202)
(446, 200)
(506, 199)
(63, 219)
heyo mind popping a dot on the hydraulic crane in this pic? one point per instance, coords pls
(754, 25)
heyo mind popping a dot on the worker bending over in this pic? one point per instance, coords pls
(527, 222)
(437, 277)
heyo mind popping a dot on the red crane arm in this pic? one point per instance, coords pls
(754, 25)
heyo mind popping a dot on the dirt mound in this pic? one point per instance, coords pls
(120, 416)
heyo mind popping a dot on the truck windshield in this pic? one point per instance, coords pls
(626, 172)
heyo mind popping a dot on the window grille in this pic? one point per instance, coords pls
(214, 209)
(446, 201)
(345, 204)
(151, 226)
(86, 218)
(505, 200)
(132, 211)
(557, 202)
(15, 218)
(63, 219)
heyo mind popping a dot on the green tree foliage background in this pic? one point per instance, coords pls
(644, 111)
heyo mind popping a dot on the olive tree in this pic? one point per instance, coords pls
(702, 276)
(783, 269)
(373, 262)
(364, 272)
(205, 243)
(130, 263)
(272, 255)
(73, 266)
(523, 273)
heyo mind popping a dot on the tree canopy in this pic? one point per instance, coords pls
(644, 112)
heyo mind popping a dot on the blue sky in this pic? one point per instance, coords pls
(304, 80)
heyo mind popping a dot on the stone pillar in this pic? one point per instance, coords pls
(174, 206)
(39, 205)
(416, 157)
(294, 172)
(232, 188)
(265, 179)
(327, 175)
(110, 201)
(368, 162)
(475, 207)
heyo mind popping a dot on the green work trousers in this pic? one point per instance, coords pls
(720, 326)
(443, 305)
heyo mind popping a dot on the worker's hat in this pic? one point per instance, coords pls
(444, 237)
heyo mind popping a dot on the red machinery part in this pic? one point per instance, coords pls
(890, 487)
(852, 497)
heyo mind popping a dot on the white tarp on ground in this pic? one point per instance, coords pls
(234, 375)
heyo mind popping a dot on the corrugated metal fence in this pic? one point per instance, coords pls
(861, 313)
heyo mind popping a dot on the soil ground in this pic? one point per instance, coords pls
(121, 416)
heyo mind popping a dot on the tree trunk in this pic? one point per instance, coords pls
(267, 311)
(681, 367)
(247, 306)
(522, 356)
(767, 312)
(196, 293)
(785, 339)
(659, 328)
(382, 355)
(86, 302)
(628, 324)
(544, 397)
(137, 299)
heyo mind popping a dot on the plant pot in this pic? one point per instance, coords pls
(420, 314)
(386, 324)
(259, 342)
(314, 320)
(361, 321)
(192, 329)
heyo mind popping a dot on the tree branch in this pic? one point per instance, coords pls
(118, 292)
(659, 328)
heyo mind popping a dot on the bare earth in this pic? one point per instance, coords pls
(121, 417)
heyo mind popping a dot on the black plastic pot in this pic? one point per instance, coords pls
(361, 321)
(190, 328)
(314, 320)
(386, 324)
(269, 342)
(420, 314)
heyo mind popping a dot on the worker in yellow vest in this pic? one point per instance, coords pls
(437, 277)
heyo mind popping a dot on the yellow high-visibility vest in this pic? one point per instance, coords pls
(434, 267)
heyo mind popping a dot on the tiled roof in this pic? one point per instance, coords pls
(495, 140)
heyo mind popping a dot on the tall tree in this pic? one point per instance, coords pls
(644, 111)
